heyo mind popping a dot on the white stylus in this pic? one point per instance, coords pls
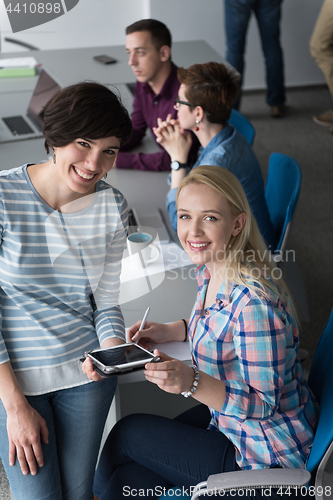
(143, 322)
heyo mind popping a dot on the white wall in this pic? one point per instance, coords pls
(103, 22)
(90, 23)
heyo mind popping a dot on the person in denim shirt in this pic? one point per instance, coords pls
(206, 96)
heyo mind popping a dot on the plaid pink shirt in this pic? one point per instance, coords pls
(251, 343)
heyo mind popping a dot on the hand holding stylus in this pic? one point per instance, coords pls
(155, 333)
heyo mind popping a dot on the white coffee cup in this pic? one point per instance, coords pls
(141, 243)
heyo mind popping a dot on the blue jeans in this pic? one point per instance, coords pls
(268, 15)
(151, 453)
(75, 419)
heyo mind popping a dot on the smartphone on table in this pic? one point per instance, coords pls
(120, 359)
(104, 59)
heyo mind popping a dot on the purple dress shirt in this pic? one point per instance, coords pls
(147, 107)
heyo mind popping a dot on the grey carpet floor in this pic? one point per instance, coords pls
(312, 231)
(4, 485)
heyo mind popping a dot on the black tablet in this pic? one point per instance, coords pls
(120, 359)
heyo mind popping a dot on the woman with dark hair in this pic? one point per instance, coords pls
(63, 231)
(256, 409)
(206, 97)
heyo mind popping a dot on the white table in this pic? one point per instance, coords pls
(72, 65)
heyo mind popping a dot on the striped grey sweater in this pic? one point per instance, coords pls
(59, 281)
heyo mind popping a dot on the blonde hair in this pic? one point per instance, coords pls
(247, 258)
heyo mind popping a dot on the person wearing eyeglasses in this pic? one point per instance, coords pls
(148, 46)
(205, 99)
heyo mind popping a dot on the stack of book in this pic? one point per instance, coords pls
(18, 66)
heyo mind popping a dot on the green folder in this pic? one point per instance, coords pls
(14, 72)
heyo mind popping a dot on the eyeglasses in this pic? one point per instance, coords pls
(186, 103)
(178, 102)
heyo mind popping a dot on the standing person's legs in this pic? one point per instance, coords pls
(268, 14)
(80, 415)
(237, 15)
(321, 42)
(321, 48)
(75, 419)
(46, 484)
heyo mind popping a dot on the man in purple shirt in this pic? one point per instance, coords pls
(148, 45)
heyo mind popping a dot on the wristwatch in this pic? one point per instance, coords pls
(175, 165)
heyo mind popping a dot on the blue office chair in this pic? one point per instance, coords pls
(243, 125)
(319, 471)
(282, 190)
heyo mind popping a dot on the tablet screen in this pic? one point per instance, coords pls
(123, 354)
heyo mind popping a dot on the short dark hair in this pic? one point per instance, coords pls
(88, 110)
(212, 86)
(160, 34)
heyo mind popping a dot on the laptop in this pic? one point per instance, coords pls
(30, 125)
(154, 221)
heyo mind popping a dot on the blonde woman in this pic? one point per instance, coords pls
(257, 411)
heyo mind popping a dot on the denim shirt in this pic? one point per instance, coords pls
(229, 149)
